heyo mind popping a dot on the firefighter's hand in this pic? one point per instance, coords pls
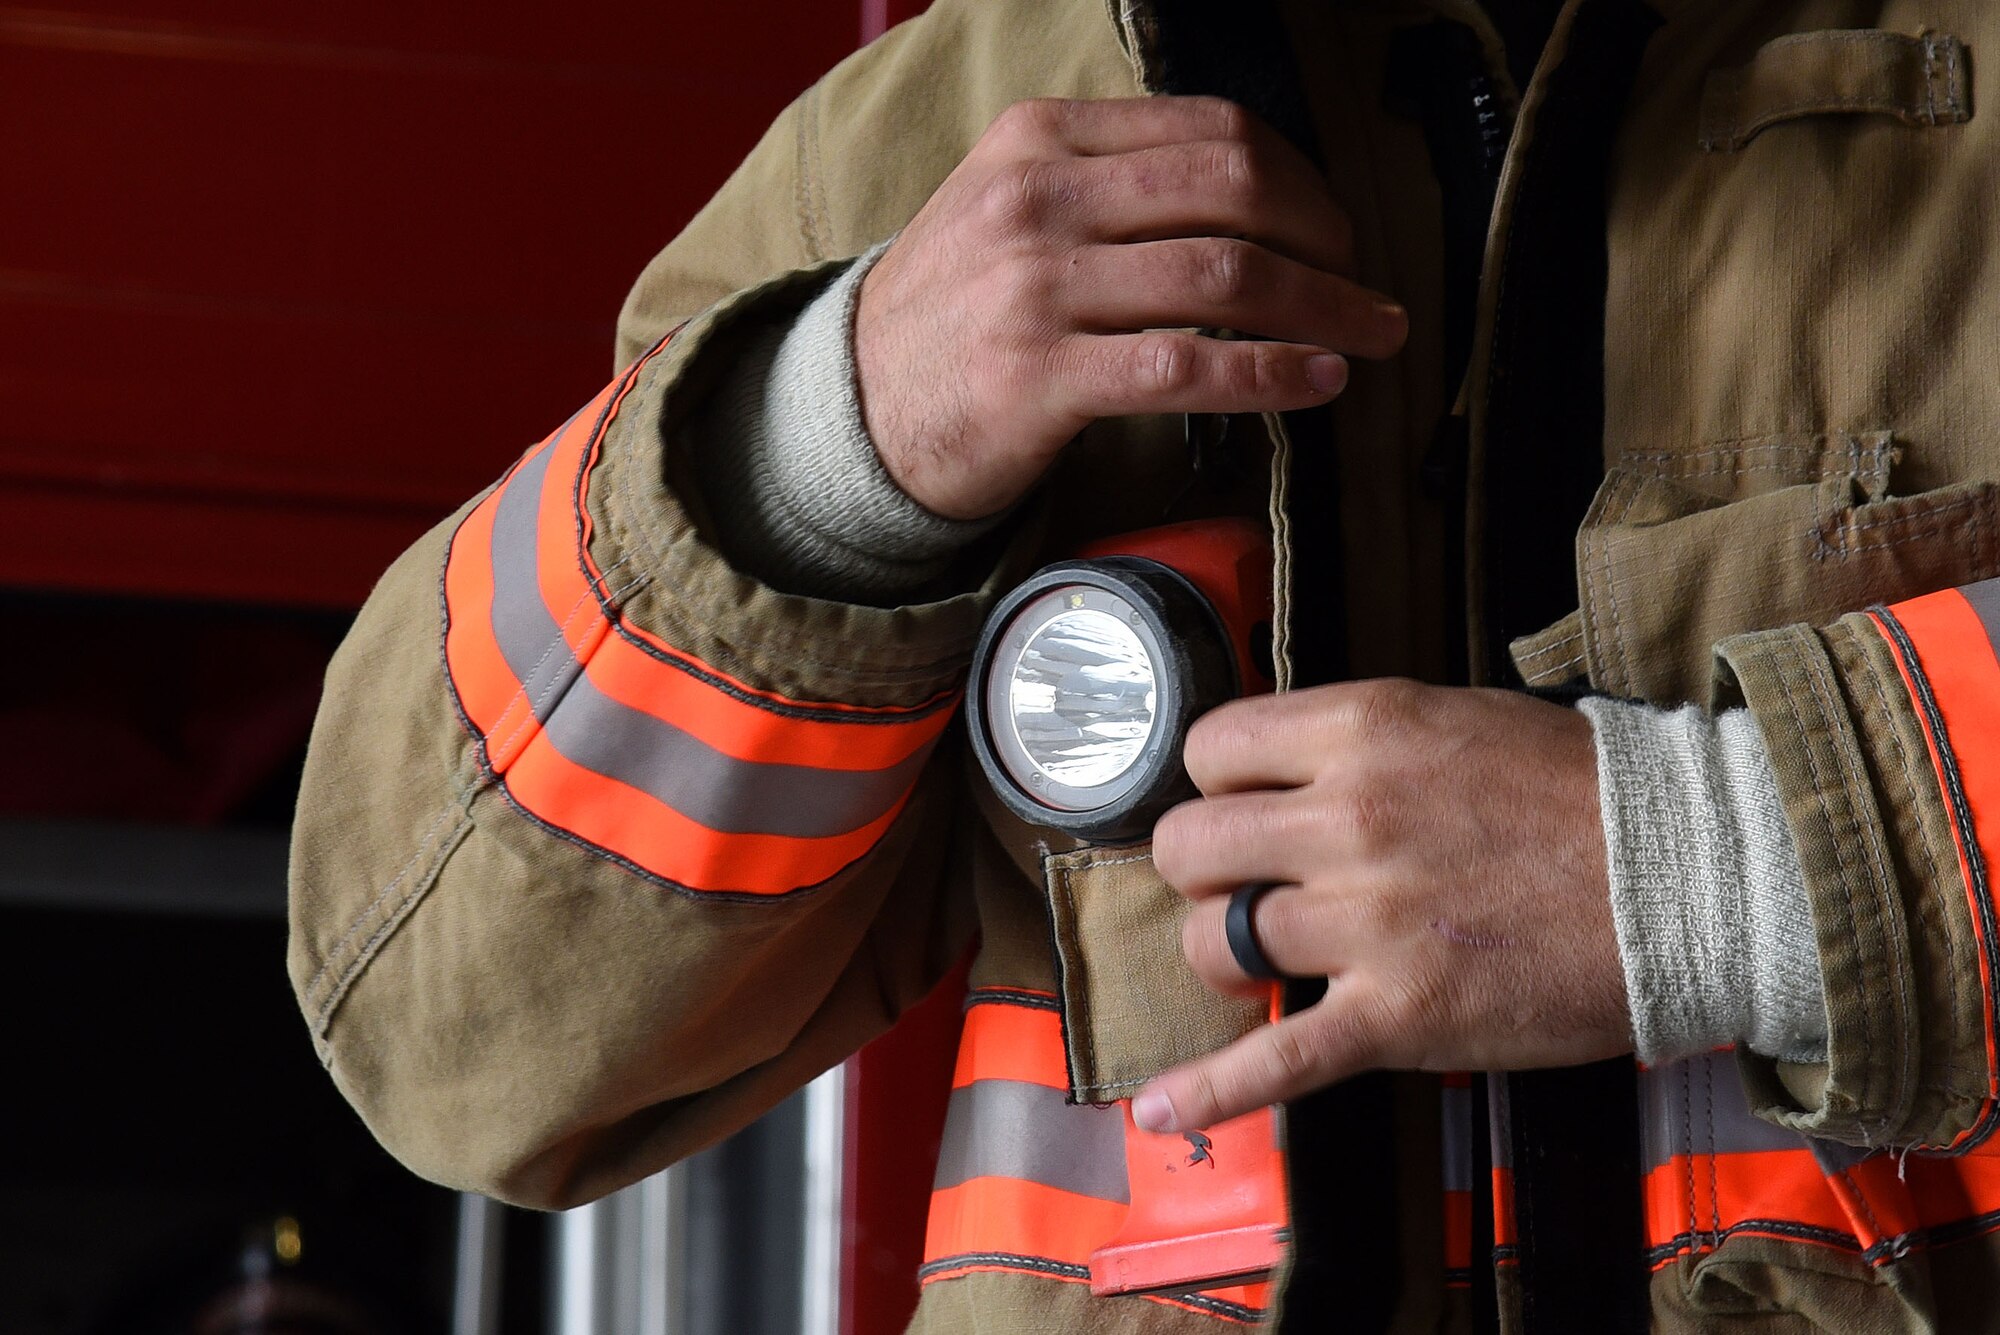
(1054, 276)
(1438, 858)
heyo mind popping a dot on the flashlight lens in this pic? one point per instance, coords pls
(1083, 698)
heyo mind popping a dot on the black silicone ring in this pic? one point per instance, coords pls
(1242, 932)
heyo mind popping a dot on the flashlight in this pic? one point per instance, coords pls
(1084, 684)
(1088, 675)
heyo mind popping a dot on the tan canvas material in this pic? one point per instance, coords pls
(1802, 418)
(1923, 79)
(1131, 1006)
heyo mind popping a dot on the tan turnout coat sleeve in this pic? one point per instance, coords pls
(1800, 400)
(513, 1008)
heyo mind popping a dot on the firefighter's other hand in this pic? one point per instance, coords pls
(1438, 858)
(1055, 276)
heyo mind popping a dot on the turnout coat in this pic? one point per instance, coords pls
(604, 847)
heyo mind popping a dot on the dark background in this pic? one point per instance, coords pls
(280, 286)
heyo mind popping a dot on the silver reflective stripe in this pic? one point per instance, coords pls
(1985, 600)
(1457, 1138)
(721, 792)
(1009, 1128)
(1697, 1106)
(527, 635)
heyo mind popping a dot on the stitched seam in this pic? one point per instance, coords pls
(1708, 1105)
(931, 1269)
(594, 456)
(1823, 691)
(327, 961)
(1622, 682)
(1787, 1228)
(557, 683)
(1871, 36)
(1010, 996)
(323, 1018)
(626, 533)
(1977, 891)
(1574, 637)
(1667, 471)
(1686, 1078)
(1130, 1082)
(802, 171)
(1867, 1210)
(1810, 444)
(1823, 802)
(1076, 991)
(822, 214)
(1935, 517)
(667, 883)
(1839, 102)
(1208, 1306)
(1930, 80)
(1899, 539)
(1119, 862)
(541, 699)
(1915, 782)
(1590, 554)
(1552, 673)
(1097, 1083)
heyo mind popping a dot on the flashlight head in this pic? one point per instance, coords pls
(1084, 685)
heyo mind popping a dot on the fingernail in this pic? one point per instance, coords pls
(1153, 1111)
(1326, 373)
(1391, 312)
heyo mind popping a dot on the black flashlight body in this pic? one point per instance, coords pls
(1088, 675)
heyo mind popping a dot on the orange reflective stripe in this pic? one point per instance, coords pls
(656, 838)
(1029, 1183)
(1718, 1170)
(1022, 1144)
(1956, 1195)
(636, 749)
(1006, 1217)
(1011, 1042)
(1945, 646)
(1696, 1200)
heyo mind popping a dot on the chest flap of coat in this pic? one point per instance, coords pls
(1803, 317)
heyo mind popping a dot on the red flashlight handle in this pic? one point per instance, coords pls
(1229, 563)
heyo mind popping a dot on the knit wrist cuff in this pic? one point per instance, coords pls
(792, 479)
(1715, 930)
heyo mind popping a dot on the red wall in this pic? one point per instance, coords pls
(282, 284)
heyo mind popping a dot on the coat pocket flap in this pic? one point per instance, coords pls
(1921, 80)
(1131, 1006)
(1656, 597)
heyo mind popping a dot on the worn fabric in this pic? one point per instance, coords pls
(1714, 928)
(537, 980)
(1697, 840)
(797, 493)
